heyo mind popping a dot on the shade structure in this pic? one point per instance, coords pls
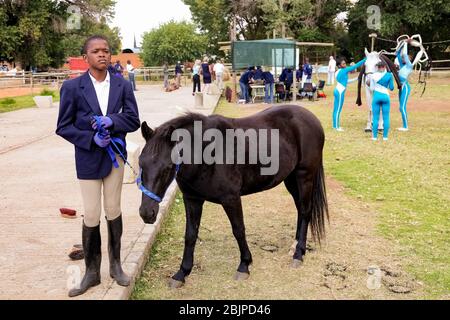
(270, 53)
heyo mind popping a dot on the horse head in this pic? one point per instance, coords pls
(372, 58)
(157, 169)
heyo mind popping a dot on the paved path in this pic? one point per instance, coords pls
(38, 177)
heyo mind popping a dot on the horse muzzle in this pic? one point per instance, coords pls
(149, 214)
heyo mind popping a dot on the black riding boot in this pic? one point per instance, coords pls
(115, 267)
(92, 257)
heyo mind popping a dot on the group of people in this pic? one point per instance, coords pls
(207, 70)
(380, 83)
(255, 75)
(118, 70)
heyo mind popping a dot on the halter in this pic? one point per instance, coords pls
(147, 192)
(119, 147)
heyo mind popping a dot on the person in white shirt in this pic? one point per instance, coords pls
(131, 75)
(331, 70)
(218, 70)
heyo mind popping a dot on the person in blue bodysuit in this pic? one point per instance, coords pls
(406, 67)
(380, 82)
(339, 92)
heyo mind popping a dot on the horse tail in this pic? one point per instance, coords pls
(360, 77)
(319, 205)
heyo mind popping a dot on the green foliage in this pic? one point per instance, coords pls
(34, 33)
(427, 17)
(7, 101)
(46, 92)
(305, 20)
(73, 42)
(171, 42)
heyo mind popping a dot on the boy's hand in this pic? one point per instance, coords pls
(102, 142)
(106, 122)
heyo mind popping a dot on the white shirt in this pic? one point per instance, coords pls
(218, 68)
(332, 65)
(102, 91)
(130, 68)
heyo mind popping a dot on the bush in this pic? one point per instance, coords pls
(46, 92)
(8, 102)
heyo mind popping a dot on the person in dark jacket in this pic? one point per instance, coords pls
(111, 100)
(244, 82)
(178, 73)
(258, 73)
(269, 83)
(307, 71)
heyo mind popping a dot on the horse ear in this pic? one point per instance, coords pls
(147, 132)
(366, 52)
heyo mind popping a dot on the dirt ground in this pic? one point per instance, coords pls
(340, 268)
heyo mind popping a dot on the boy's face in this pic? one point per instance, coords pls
(98, 55)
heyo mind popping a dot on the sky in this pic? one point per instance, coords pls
(134, 17)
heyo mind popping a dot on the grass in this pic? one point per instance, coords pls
(163, 248)
(405, 179)
(22, 102)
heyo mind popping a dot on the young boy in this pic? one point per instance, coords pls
(97, 93)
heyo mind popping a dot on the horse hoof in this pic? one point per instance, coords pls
(175, 284)
(240, 276)
(296, 263)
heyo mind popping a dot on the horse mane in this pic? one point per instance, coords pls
(162, 135)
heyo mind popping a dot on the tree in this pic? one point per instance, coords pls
(34, 33)
(427, 17)
(171, 42)
(306, 20)
(73, 41)
(215, 18)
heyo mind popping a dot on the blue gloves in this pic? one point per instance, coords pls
(106, 123)
(102, 141)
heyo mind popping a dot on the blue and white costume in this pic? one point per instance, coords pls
(406, 67)
(380, 82)
(339, 92)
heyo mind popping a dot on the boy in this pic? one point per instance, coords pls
(97, 93)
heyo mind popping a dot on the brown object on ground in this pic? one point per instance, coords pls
(76, 253)
(68, 213)
(172, 87)
(228, 94)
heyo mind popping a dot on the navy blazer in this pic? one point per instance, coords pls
(78, 104)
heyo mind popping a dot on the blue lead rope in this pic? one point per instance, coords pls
(116, 142)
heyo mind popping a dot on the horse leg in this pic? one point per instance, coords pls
(303, 180)
(234, 212)
(193, 216)
(291, 185)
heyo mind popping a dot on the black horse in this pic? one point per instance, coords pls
(301, 141)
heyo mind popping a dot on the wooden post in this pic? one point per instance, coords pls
(373, 36)
(31, 82)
